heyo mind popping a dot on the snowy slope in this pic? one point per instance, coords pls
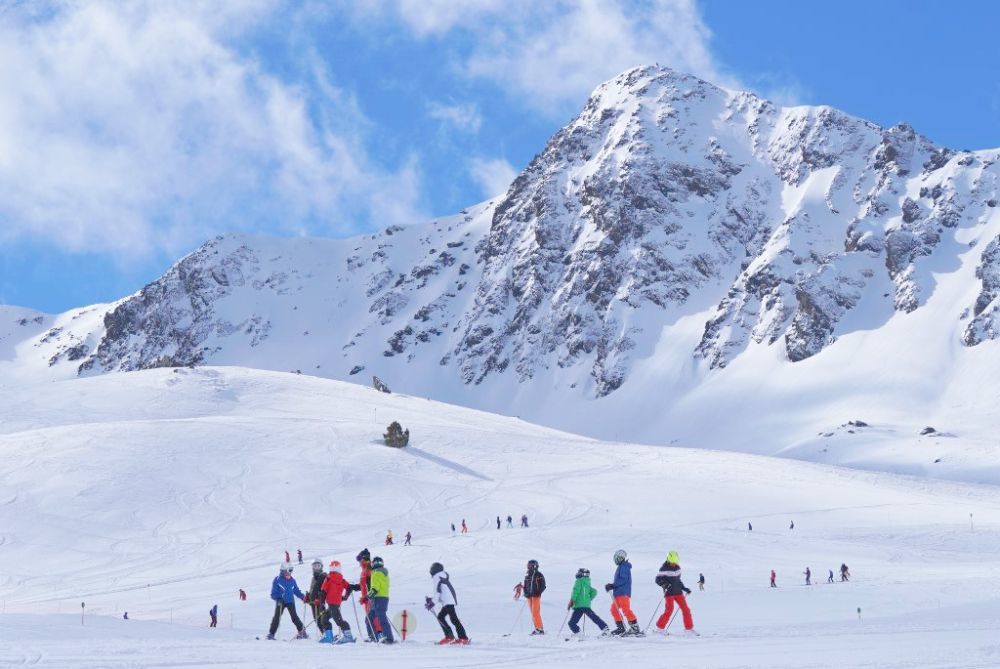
(680, 264)
(163, 492)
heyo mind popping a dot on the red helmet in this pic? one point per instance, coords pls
(335, 566)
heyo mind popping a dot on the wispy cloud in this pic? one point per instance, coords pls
(130, 127)
(465, 117)
(492, 175)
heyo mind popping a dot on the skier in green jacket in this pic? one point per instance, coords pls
(583, 595)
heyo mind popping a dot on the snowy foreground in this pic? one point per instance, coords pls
(164, 492)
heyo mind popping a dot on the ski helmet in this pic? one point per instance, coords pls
(436, 568)
(317, 564)
(377, 562)
(532, 565)
(363, 555)
(620, 556)
(582, 571)
(285, 566)
(673, 557)
(335, 566)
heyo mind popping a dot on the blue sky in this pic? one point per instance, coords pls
(130, 133)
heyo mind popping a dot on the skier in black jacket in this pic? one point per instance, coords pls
(669, 578)
(315, 597)
(532, 589)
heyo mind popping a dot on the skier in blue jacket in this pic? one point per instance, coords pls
(621, 591)
(284, 590)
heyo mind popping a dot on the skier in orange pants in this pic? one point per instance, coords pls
(621, 591)
(669, 578)
(533, 587)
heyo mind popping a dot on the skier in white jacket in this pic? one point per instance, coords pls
(444, 593)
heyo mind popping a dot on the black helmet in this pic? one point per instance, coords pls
(363, 555)
(377, 562)
(532, 565)
(582, 571)
(437, 567)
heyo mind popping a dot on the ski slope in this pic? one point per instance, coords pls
(164, 492)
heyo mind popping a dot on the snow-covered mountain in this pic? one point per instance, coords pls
(680, 264)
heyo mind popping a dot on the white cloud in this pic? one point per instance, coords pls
(465, 117)
(131, 127)
(493, 176)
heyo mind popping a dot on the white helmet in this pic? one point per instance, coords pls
(285, 566)
(317, 564)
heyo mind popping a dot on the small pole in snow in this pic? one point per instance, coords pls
(859, 614)
(972, 528)
(83, 606)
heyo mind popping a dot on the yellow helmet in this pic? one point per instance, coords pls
(673, 557)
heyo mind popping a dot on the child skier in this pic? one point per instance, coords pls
(362, 587)
(213, 612)
(621, 592)
(314, 598)
(284, 590)
(378, 594)
(669, 578)
(532, 588)
(335, 589)
(580, 600)
(444, 592)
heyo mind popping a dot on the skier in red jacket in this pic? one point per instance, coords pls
(337, 589)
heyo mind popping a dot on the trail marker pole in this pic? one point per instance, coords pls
(83, 606)
(859, 614)
(972, 528)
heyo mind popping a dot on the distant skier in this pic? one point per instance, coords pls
(125, 617)
(453, 528)
(669, 578)
(532, 588)
(243, 595)
(792, 525)
(284, 590)
(510, 522)
(774, 578)
(808, 574)
(288, 558)
(214, 613)
(498, 522)
(388, 538)
(749, 527)
(845, 574)
(315, 598)
(407, 538)
(580, 600)
(829, 579)
(444, 593)
(362, 587)
(299, 551)
(335, 590)
(524, 520)
(621, 593)
(701, 581)
(465, 528)
(378, 594)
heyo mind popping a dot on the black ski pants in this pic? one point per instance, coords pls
(579, 613)
(282, 606)
(333, 611)
(449, 612)
(318, 611)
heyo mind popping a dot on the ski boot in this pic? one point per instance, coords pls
(538, 632)
(327, 637)
(619, 630)
(633, 629)
(691, 632)
(462, 642)
(445, 641)
(345, 637)
(302, 634)
(270, 637)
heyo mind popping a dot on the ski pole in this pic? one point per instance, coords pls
(671, 621)
(563, 623)
(653, 617)
(518, 619)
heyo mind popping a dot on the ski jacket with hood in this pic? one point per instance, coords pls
(336, 588)
(444, 591)
(316, 587)
(285, 589)
(669, 578)
(534, 584)
(583, 593)
(380, 582)
(623, 580)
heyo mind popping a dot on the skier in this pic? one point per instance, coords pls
(243, 595)
(453, 528)
(378, 594)
(335, 589)
(533, 587)
(701, 582)
(580, 600)
(213, 612)
(362, 587)
(284, 590)
(773, 578)
(465, 528)
(621, 593)
(749, 527)
(792, 526)
(808, 574)
(669, 578)
(524, 520)
(498, 522)
(829, 579)
(125, 617)
(406, 541)
(845, 574)
(314, 598)
(388, 538)
(288, 558)
(299, 551)
(510, 522)
(444, 592)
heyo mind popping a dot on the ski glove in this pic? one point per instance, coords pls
(428, 603)
(687, 591)
(371, 593)
(609, 587)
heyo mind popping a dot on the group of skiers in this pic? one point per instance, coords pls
(845, 575)
(620, 589)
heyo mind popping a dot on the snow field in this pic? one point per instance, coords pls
(164, 492)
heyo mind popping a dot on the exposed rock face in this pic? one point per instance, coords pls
(667, 197)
